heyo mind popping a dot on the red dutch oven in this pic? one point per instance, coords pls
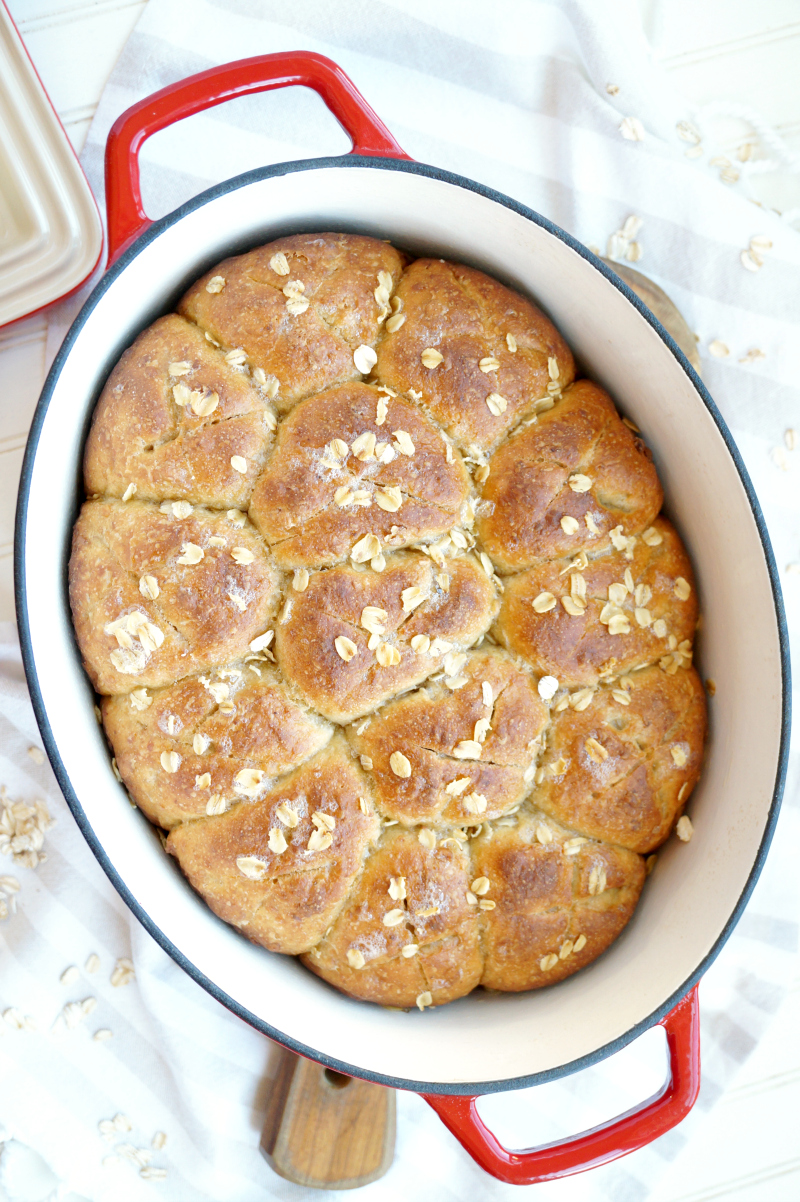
(483, 1043)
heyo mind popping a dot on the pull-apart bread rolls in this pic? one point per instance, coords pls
(389, 634)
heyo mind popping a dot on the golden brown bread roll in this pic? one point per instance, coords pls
(355, 461)
(559, 900)
(468, 743)
(299, 308)
(279, 867)
(577, 620)
(403, 666)
(158, 593)
(621, 763)
(565, 482)
(191, 749)
(494, 353)
(407, 928)
(177, 420)
(353, 638)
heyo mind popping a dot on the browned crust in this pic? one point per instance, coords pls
(623, 771)
(332, 607)
(532, 869)
(579, 649)
(527, 493)
(254, 724)
(448, 963)
(427, 726)
(115, 544)
(309, 351)
(302, 890)
(294, 504)
(141, 436)
(465, 315)
(544, 902)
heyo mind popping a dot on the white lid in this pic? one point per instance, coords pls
(50, 231)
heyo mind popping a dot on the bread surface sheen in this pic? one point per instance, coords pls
(389, 634)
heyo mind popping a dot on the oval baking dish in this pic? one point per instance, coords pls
(484, 1042)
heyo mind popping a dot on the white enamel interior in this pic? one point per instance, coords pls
(695, 887)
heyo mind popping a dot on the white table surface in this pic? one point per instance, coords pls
(749, 1149)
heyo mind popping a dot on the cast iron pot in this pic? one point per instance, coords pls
(484, 1042)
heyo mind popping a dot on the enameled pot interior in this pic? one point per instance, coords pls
(484, 1040)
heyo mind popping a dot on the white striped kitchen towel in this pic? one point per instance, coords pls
(561, 106)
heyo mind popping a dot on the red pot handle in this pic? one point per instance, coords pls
(126, 216)
(622, 1135)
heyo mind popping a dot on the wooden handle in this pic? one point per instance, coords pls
(326, 1130)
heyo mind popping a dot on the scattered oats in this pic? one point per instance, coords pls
(511, 343)
(682, 589)
(300, 580)
(345, 648)
(399, 764)
(389, 499)
(279, 263)
(688, 132)
(262, 641)
(548, 962)
(679, 757)
(427, 838)
(711, 687)
(403, 441)
(192, 554)
(237, 517)
(482, 728)
(217, 804)
(581, 700)
(457, 787)
(482, 473)
(208, 337)
(158, 1141)
(215, 284)
(718, 349)
(130, 491)
(612, 89)
(102, 1034)
(751, 261)
(684, 830)
(320, 840)
(574, 608)
(760, 243)
(412, 597)
(475, 803)
(363, 805)
(170, 761)
(496, 403)
(566, 949)
(617, 593)
(395, 322)
(471, 899)
(684, 789)
(276, 841)
(382, 410)
(179, 369)
(182, 395)
(203, 781)
(368, 547)
(448, 453)
(547, 687)
(487, 564)
(366, 762)
(151, 1173)
(660, 628)
(544, 602)
(643, 616)
(70, 975)
(596, 751)
(242, 555)
(424, 999)
(486, 693)
(431, 358)
(487, 904)
(251, 867)
(364, 446)
(239, 464)
(388, 656)
(467, 749)
(652, 537)
(569, 525)
(480, 886)
(489, 363)
(248, 781)
(36, 754)
(355, 958)
(123, 972)
(579, 483)
(397, 888)
(543, 834)
(591, 525)
(393, 918)
(580, 943)
(409, 950)
(632, 129)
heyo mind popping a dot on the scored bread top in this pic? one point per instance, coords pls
(390, 636)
